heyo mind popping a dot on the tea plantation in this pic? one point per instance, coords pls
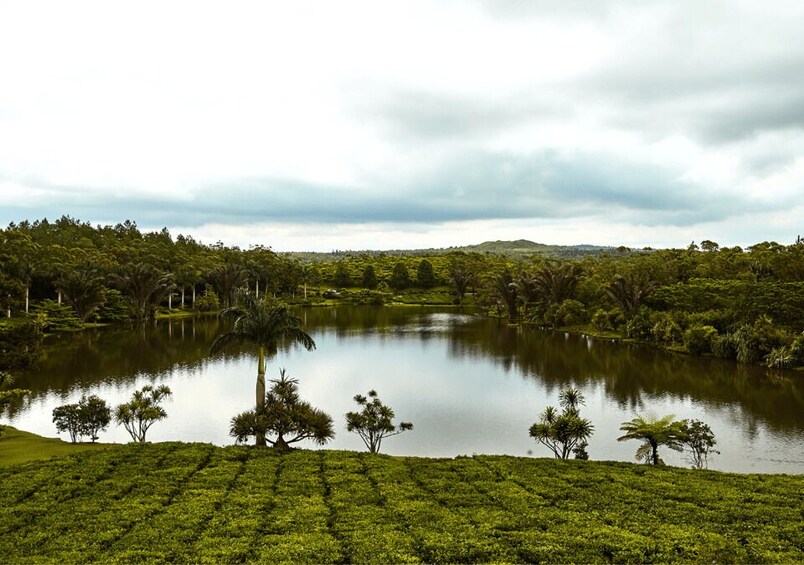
(198, 503)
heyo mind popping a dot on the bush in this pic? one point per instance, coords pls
(570, 313)
(600, 320)
(640, 326)
(698, 339)
(665, 329)
(55, 316)
(208, 301)
(723, 346)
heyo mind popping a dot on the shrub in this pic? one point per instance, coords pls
(665, 329)
(698, 339)
(208, 301)
(640, 326)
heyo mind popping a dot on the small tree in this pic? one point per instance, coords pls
(374, 422)
(285, 415)
(342, 278)
(425, 277)
(95, 415)
(369, 280)
(86, 418)
(142, 411)
(654, 433)
(400, 277)
(564, 432)
(68, 419)
(701, 442)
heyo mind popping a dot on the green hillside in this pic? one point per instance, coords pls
(181, 503)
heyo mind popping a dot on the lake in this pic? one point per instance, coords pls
(468, 384)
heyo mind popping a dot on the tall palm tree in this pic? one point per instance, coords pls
(265, 324)
(654, 433)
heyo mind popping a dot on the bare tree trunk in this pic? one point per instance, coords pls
(261, 392)
(257, 289)
(193, 295)
(59, 297)
(182, 297)
(27, 295)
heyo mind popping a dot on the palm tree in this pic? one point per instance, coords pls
(630, 291)
(654, 433)
(265, 324)
(145, 285)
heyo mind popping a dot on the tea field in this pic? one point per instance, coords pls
(179, 503)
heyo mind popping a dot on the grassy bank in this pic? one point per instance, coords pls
(17, 446)
(177, 502)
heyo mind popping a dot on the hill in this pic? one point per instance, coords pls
(518, 249)
(181, 503)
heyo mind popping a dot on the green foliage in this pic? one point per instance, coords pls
(565, 432)
(208, 301)
(56, 317)
(754, 342)
(698, 339)
(640, 325)
(665, 329)
(142, 411)
(700, 441)
(400, 277)
(285, 415)
(653, 434)
(83, 290)
(194, 503)
(568, 313)
(374, 422)
(369, 280)
(342, 278)
(425, 276)
(114, 307)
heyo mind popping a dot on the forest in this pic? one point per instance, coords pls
(730, 302)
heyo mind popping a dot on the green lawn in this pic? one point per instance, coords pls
(179, 503)
(17, 446)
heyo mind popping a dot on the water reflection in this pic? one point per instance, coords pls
(461, 366)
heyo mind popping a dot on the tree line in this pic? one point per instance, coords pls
(734, 303)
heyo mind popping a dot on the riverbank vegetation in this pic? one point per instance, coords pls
(733, 303)
(176, 502)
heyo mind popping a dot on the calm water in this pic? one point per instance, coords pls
(469, 385)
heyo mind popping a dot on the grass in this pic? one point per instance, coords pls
(17, 446)
(180, 503)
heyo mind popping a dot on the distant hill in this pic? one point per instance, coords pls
(518, 249)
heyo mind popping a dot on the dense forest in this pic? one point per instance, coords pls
(743, 304)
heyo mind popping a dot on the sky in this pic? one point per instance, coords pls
(320, 125)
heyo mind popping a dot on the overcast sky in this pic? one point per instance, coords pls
(375, 125)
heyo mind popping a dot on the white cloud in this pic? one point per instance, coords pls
(110, 110)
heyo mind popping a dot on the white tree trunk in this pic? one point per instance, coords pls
(27, 295)
(59, 297)
(170, 301)
(193, 295)
(182, 297)
(257, 289)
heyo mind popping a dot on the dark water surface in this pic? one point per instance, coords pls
(469, 384)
